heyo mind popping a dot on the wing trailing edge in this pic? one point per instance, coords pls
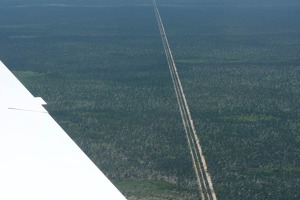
(38, 159)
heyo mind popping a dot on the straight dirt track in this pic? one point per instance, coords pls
(203, 178)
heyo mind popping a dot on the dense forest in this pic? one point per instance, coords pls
(101, 67)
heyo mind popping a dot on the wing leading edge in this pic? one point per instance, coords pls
(38, 160)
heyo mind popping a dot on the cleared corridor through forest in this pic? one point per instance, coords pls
(203, 177)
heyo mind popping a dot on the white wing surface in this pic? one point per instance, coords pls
(38, 160)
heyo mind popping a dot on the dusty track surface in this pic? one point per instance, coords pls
(203, 178)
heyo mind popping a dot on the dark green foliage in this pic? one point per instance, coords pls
(240, 70)
(103, 72)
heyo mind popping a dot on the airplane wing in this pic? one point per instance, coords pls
(38, 160)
